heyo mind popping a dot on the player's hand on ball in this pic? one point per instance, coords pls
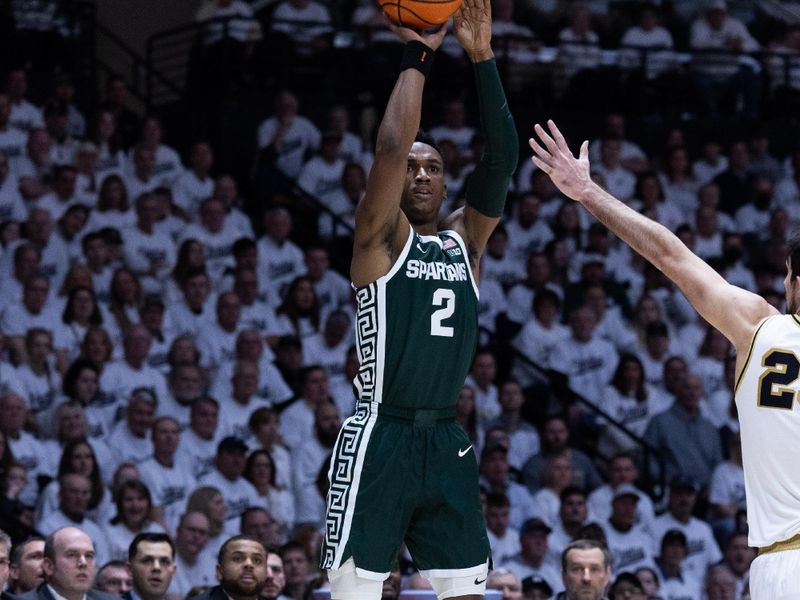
(431, 39)
(570, 175)
(472, 26)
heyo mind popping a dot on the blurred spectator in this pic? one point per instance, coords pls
(654, 41)
(619, 181)
(277, 253)
(534, 558)
(230, 19)
(738, 557)
(454, 127)
(74, 498)
(578, 49)
(622, 471)
(676, 580)
(26, 571)
(195, 185)
(307, 461)
(506, 582)
(586, 569)
(134, 507)
(279, 501)
(229, 465)
(56, 113)
(127, 123)
(630, 543)
(495, 477)
(129, 440)
(588, 361)
(199, 442)
(721, 74)
(168, 479)
(726, 493)
(297, 420)
(523, 437)
(703, 550)
(555, 439)
(285, 137)
(307, 24)
(322, 175)
(24, 115)
(503, 539)
(114, 578)
(192, 567)
(13, 141)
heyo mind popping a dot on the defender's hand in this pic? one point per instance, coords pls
(569, 174)
(472, 26)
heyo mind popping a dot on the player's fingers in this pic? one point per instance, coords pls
(539, 150)
(584, 153)
(542, 164)
(545, 137)
(562, 143)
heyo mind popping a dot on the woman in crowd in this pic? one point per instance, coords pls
(299, 314)
(134, 507)
(260, 471)
(80, 312)
(77, 457)
(210, 501)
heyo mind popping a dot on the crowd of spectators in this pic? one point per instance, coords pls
(173, 365)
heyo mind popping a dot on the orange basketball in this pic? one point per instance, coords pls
(419, 14)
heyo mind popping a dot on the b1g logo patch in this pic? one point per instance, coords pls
(453, 252)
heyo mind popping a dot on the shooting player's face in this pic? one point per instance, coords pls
(424, 190)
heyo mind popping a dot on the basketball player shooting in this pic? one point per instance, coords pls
(402, 469)
(767, 362)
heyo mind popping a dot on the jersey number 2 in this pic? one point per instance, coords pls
(446, 298)
(783, 369)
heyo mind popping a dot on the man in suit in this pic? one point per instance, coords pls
(5, 551)
(26, 565)
(69, 568)
(151, 558)
(241, 570)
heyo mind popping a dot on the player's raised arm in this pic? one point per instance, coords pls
(487, 186)
(733, 311)
(378, 213)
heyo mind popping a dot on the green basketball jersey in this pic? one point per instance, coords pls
(417, 326)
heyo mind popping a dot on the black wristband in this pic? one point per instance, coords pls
(417, 56)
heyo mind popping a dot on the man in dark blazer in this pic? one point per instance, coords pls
(151, 558)
(69, 568)
(241, 570)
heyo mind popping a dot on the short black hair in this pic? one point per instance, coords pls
(152, 538)
(237, 538)
(423, 137)
(17, 550)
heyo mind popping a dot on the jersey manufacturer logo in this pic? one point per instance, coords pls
(479, 581)
(462, 453)
(420, 248)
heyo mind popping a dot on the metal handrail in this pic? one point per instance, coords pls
(650, 453)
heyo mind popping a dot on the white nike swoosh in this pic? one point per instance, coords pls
(421, 249)
(462, 453)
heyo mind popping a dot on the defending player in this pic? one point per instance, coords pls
(767, 363)
(402, 469)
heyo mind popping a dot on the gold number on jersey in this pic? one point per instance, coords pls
(446, 298)
(783, 368)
